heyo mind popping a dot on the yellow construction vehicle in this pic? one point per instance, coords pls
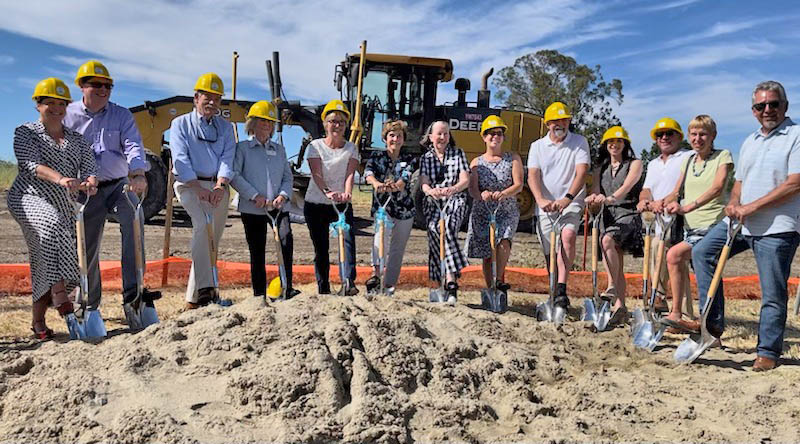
(393, 86)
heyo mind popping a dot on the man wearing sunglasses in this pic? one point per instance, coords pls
(663, 174)
(766, 199)
(203, 148)
(120, 158)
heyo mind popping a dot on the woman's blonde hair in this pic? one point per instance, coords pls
(394, 125)
(250, 124)
(704, 121)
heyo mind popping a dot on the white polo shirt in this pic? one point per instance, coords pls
(764, 163)
(662, 176)
(557, 161)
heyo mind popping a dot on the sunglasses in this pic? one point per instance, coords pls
(498, 133)
(98, 85)
(336, 122)
(763, 105)
(668, 133)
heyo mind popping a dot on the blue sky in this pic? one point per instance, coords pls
(675, 58)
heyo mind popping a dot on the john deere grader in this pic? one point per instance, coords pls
(377, 87)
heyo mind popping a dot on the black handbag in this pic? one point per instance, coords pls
(676, 233)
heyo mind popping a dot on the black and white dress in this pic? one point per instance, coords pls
(492, 176)
(43, 209)
(442, 174)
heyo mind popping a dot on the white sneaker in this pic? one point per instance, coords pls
(451, 300)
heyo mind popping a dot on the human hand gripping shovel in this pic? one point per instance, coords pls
(338, 229)
(212, 258)
(382, 222)
(548, 311)
(692, 347)
(493, 299)
(648, 217)
(140, 312)
(651, 330)
(597, 309)
(274, 214)
(439, 294)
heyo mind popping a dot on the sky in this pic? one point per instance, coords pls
(676, 58)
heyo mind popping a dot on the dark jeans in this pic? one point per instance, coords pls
(318, 218)
(256, 229)
(773, 254)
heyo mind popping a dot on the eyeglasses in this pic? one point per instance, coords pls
(98, 85)
(668, 133)
(497, 133)
(202, 136)
(761, 106)
(336, 122)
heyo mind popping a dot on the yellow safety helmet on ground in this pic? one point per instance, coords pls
(210, 82)
(556, 111)
(274, 288)
(92, 68)
(492, 122)
(666, 123)
(615, 132)
(264, 110)
(52, 87)
(335, 105)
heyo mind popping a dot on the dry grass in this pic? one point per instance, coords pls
(8, 171)
(741, 333)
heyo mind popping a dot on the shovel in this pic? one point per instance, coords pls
(692, 347)
(212, 257)
(547, 311)
(338, 229)
(493, 299)
(273, 216)
(439, 294)
(382, 222)
(651, 330)
(138, 312)
(596, 309)
(648, 217)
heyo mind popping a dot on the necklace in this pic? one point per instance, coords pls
(695, 173)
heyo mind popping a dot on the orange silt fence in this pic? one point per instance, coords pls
(15, 278)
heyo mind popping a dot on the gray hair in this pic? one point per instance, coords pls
(250, 125)
(770, 85)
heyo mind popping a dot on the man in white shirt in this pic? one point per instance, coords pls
(557, 168)
(663, 174)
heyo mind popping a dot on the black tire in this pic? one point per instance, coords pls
(156, 186)
(419, 197)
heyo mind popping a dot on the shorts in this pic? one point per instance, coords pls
(692, 237)
(571, 219)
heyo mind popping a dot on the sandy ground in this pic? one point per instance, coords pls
(330, 369)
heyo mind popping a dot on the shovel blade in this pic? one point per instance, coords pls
(133, 316)
(437, 296)
(603, 317)
(149, 316)
(544, 312)
(643, 334)
(589, 312)
(494, 301)
(691, 348)
(77, 329)
(95, 327)
(637, 321)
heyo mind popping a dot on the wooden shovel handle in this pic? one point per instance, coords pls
(341, 246)
(553, 251)
(646, 270)
(441, 238)
(80, 234)
(723, 258)
(380, 239)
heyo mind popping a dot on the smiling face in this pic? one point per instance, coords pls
(335, 124)
(440, 135)
(493, 138)
(263, 129)
(394, 140)
(615, 148)
(96, 92)
(51, 110)
(701, 139)
(558, 129)
(668, 141)
(772, 109)
(206, 103)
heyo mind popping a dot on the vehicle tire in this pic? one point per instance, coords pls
(156, 186)
(419, 197)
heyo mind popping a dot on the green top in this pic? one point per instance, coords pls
(699, 179)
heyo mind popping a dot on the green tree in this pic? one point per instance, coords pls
(539, 79)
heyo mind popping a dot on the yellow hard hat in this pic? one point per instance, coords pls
(666, 123)
(264, 110)
(210, 82)
(556, 111)
(92, 68)
(52, 87)
(274, 288)
(492, 122)
(615, 132)
(335, 105)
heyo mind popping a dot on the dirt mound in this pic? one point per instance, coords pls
(317, 369)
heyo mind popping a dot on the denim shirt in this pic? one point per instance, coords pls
(192, 156)
(260, 169)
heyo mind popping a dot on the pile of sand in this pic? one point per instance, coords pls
(318, 369)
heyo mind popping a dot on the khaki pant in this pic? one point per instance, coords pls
(201, 275)
(660, 282)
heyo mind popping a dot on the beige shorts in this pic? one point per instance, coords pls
(571, 219)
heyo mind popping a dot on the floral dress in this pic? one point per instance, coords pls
(381, 166)
(492, 176)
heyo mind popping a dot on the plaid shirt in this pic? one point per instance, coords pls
(444, 174)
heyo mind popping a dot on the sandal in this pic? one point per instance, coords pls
(42, 335)
(618, 317)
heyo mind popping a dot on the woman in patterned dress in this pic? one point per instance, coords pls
(53, 162)
(390, 172)
(616, 185)
(444, 174)
(495, 181)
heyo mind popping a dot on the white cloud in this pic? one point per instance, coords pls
(710, 55)
(663, 6)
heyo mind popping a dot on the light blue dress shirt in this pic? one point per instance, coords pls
(200, 147)
(260, 170)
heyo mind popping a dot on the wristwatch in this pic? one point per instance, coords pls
(569, 196)
(326, 190)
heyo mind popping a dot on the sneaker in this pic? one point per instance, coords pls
(373, 283)
(561, 301)
(451, 300)
(452, 292)
(206, 296)
(352, 290)
(503, 286)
